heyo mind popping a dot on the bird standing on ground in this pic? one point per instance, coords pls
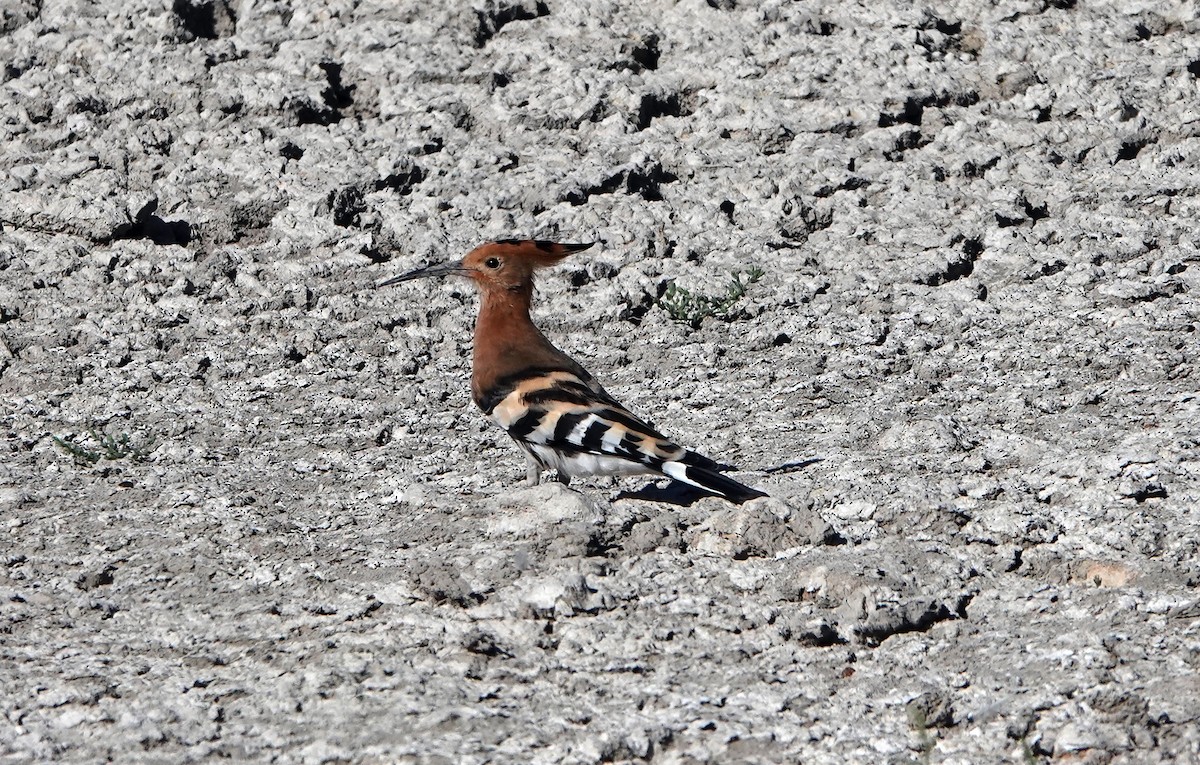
(550, 405)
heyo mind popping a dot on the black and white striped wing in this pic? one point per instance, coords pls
(561, 412)
(570, 423)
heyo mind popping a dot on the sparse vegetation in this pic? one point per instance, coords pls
(919, 723)
(692, 308)
(102, 445)
(1027, 755)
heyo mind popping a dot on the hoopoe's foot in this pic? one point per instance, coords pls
(533, 472)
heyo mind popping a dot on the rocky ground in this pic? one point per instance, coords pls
(249, 512)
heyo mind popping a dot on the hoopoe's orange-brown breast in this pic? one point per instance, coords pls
(507, 344)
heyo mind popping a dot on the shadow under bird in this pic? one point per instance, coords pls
(550, 405)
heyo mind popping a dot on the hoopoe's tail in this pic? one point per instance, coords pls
(711, 481)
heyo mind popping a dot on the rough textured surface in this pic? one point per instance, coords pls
(968, 378)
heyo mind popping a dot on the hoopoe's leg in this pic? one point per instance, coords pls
(533, 470)
(563, 478)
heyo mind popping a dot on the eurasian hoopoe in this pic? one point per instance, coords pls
(550, 405)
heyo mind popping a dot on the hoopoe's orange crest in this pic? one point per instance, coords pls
(507, 264)
(510, 263)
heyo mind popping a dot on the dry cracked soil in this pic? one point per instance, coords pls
(249, 513)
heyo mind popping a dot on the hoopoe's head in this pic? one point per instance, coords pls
(504, 265)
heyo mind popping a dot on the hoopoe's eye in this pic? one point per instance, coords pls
(492, 262)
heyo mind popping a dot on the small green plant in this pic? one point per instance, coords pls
(920, 725)
(1027, 755)
(692, 308)
(103, 445)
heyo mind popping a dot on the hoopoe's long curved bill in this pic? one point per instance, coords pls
(440, 269)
